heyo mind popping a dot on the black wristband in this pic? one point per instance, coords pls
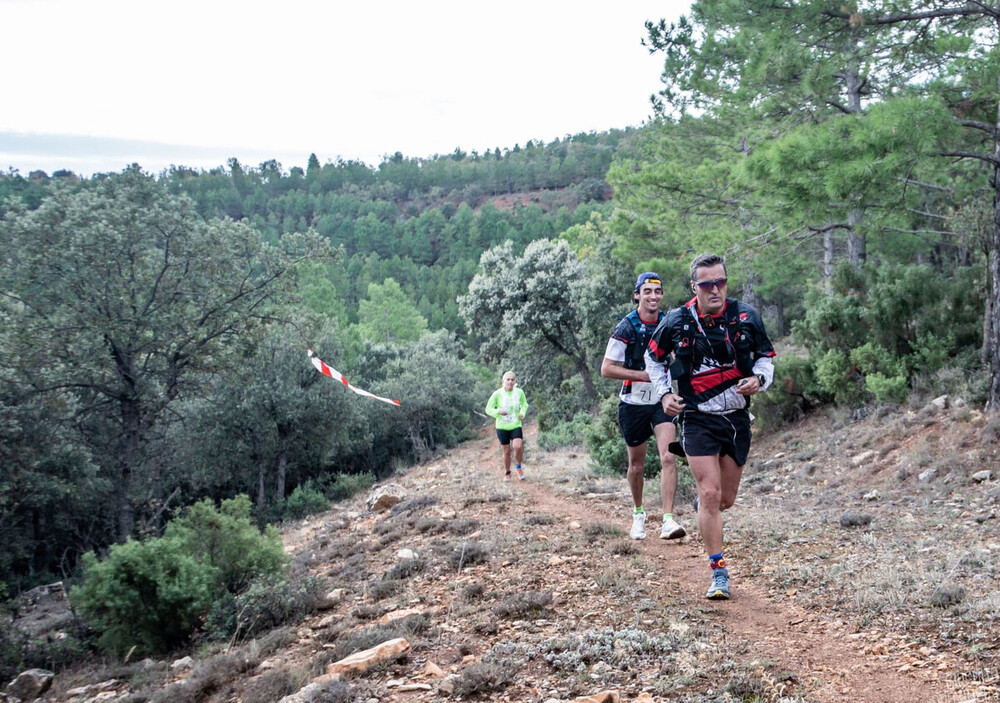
(760, 377)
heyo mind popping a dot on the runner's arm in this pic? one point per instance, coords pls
(613, 364)
(492, 406)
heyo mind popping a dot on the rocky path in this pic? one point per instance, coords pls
(563, 534)
(826, 657)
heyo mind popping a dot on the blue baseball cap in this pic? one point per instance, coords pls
(647, 277)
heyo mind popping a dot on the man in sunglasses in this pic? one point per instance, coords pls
(718, 352)
(640, 415)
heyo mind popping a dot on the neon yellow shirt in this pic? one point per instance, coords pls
(513, 403)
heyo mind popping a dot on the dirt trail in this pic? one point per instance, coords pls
(817, 647)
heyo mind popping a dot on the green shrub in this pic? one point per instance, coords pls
(603, 440)
(836, 377)
(149, 594)
(345, 486)
(565, 434)
(305, 500)
(870, 358)
(228, 540)
(794, 392)
(886, 389)
(12, 645)
(567, 399)
(153, 594)
(55, 653)
(886, 325)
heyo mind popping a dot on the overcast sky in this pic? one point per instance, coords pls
(93, 85)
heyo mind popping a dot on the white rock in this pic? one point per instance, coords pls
(984, 475)
(179, 664)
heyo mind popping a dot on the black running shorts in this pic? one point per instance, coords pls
(637, 421)
(704, 434)
(506, 435)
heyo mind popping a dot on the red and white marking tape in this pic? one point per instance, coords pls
(337, 376)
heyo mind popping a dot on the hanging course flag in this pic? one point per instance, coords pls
(337, 376)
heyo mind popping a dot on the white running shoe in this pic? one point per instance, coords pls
(506, 477)
(671, 530)
(638, 526)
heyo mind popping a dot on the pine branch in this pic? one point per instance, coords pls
(990, 129)
(992, 161)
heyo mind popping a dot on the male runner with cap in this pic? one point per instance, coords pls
(640, 414)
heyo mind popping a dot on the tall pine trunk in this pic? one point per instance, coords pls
(127, 467)
(856, 244)
(993, 304)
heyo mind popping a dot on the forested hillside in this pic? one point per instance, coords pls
(156, 329)
(153, 329)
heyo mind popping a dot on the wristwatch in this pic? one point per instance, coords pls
(760, 377)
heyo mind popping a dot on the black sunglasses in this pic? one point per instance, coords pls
(709, 285)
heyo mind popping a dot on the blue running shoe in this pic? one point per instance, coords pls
(719, 590)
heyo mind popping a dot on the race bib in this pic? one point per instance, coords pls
(642, 393)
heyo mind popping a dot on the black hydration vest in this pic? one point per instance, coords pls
(635, 358)
(691, 345)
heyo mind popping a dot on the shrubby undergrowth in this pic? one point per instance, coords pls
(152, 594)
(886, 324)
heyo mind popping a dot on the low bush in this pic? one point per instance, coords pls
(345, 486)
(463, 526)
(228, 540)
(274, 685)
(603, 439)
(482, 678)
(12, 644)
(467, 554)
(55, 653)
(565, 434)
(404, 569)
(153, 594)
(267, 603)
(305, 500)
(380, 590)
(523, 604)
(149, 594)
(794, 392)
(884, 324)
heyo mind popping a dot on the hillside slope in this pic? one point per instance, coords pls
(864, 556)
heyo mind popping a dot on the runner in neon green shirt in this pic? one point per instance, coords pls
(508, 405)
